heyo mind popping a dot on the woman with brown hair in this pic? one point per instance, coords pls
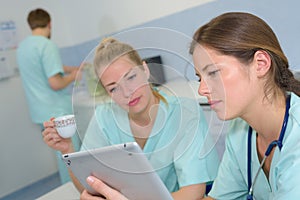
(244, 74)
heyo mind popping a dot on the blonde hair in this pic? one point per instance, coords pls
(109, 50)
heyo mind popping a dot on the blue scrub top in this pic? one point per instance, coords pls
(173, 146)
(38, 59)
(284, 176)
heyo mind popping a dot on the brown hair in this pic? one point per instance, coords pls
(241, 35)
(38, 18)
(110, 50)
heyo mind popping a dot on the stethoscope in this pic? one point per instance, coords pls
(268, 151)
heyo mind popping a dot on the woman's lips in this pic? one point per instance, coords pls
(213, 103)
(134, 101)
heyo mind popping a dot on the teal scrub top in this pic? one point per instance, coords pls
(284, 176)
(174, 145)
(38, 59)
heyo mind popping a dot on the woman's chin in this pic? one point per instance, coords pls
(223, 116)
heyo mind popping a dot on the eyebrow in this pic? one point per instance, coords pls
(125, 75)
(207, 66)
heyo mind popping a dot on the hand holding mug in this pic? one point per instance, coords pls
(54, 139)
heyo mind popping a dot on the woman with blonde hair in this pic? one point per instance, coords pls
(169, 129)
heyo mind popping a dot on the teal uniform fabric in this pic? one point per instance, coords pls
(284, 176)
(38, 59)
(174, 145)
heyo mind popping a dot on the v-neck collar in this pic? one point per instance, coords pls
(122, 121)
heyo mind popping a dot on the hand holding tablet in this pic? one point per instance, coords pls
(123, 167)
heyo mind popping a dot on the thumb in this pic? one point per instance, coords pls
(104, 189)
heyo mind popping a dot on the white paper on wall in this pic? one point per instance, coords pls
(8, 45)
(8, 63)
(8, 36)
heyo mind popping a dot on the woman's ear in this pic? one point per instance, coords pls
(49, 25)
(262, 62)
(146, 69)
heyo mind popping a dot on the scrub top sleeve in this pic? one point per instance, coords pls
(51, 60)
(229, 183)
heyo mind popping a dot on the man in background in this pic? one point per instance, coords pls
(45, 79)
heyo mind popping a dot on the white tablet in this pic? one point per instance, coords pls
(123, 167)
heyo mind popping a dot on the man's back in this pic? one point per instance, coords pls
(39, 59)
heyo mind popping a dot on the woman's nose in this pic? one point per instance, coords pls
(203, 88)
(127, 91)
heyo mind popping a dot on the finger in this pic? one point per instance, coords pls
(86, 196)
(51, 137)
(104, 189)
(48, 124)
(49, 130)
(51, 141)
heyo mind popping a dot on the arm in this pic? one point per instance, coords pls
(54, 69)
(69, 69)
(54, 141)
(58, 81)
(94, 138)
(192, 192)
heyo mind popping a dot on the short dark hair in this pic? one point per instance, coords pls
(38, 18)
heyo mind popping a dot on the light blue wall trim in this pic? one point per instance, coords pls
(174, 38)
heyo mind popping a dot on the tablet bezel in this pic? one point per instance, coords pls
(123, 166)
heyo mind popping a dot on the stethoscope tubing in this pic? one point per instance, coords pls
(268, 151)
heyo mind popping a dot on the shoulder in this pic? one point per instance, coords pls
(38, 42)
(49, 44)
(43, 42)
(38, 38)
(292, 136)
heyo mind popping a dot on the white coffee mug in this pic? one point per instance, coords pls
(65, 125)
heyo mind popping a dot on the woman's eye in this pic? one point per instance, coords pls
(112, 90)
(213, 73)
(131, 77)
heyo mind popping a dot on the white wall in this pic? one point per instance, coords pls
(24, 157)
(76, 21)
